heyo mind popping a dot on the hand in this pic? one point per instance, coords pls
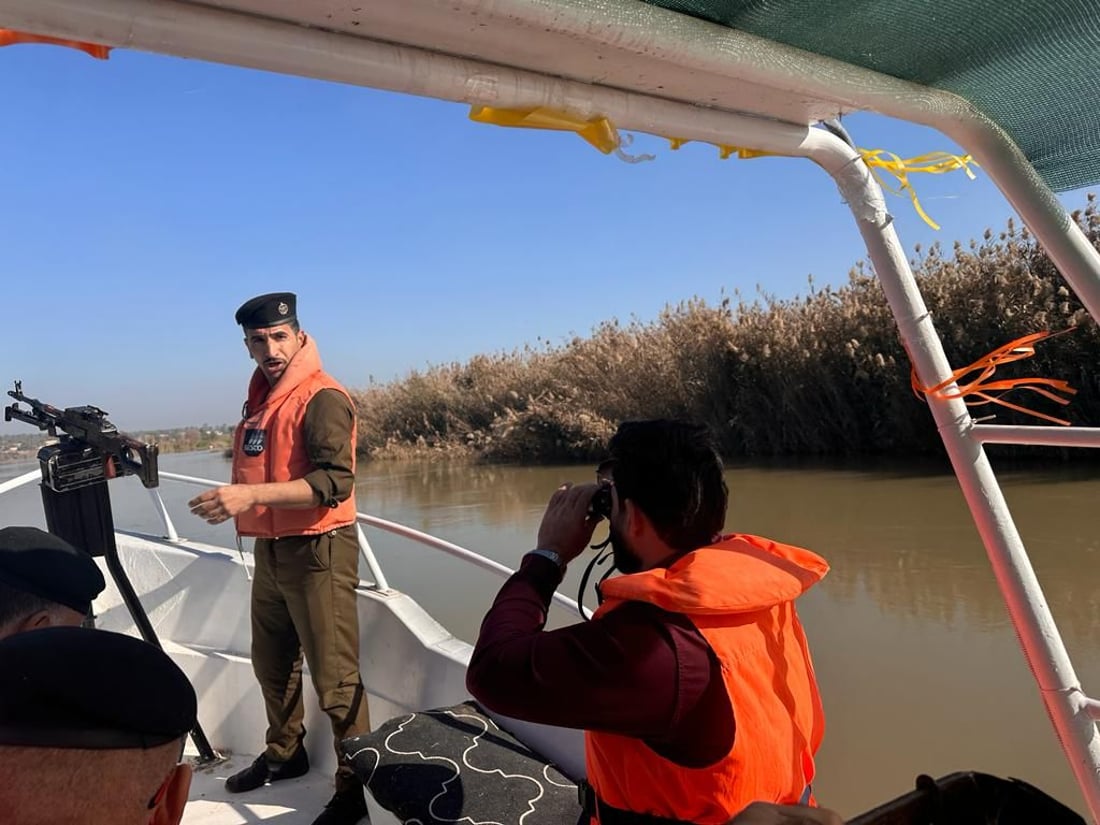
(566, 527)
(222, 503)
(765, 813)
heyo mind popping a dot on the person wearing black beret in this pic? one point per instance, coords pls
(293, 491)
(44, 581)
(92, 729)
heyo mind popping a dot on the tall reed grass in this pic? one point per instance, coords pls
(822, 374)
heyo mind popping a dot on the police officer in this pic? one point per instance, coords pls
(293, 491)
(92, 727)
(44, 581)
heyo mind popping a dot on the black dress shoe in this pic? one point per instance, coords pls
(262, 771)
(345, 808)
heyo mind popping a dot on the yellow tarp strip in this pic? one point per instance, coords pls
(601, 133)
(598, 131)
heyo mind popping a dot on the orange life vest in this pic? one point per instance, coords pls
(269, 446)
(739, 593)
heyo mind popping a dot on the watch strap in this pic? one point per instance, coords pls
(549, 554)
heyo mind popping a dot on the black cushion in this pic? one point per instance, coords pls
(442, 765)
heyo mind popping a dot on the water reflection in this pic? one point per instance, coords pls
(918, 662)
(910, 546)
(455, 493)
(905, 542)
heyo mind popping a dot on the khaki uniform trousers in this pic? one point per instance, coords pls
(303, 601)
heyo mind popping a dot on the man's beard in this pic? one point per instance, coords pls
(625, 559)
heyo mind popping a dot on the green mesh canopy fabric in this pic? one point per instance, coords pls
(1033, 66)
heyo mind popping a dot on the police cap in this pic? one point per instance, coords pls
(37, 562)
(269, 310)
(74, 687)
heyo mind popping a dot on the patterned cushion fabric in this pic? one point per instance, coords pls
(450, 764)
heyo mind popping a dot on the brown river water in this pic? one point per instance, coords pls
(918, 663)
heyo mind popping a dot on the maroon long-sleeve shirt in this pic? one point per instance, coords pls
(638, 671)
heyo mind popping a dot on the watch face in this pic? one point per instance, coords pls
(549, 554)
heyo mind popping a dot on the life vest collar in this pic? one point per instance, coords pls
(739, 573)
(306, 362)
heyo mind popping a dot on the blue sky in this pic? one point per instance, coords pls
(145, 197)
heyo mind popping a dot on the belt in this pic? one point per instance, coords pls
(610, 815)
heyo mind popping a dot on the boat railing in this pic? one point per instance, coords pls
(369, 558)
(19, 481)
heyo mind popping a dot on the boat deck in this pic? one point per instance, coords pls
(290, 802)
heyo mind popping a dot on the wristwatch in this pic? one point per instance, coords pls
(549, 554)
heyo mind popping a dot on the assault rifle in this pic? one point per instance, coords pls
(92, 448)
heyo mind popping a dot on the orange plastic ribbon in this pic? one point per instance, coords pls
(9, 37)
(989, 392)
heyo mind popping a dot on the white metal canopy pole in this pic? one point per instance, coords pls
(1066, 703)
(209, 33)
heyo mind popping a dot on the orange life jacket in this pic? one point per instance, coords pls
(269, 446)
(739, 594)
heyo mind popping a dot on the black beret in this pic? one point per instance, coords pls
(74, 687)
(37, 562)
(268, 310)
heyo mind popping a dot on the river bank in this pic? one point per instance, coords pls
(819, 375)
(822, 374)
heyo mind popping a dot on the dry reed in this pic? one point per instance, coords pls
(823, 374)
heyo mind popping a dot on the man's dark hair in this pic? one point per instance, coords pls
(18, 604)
(672, 471)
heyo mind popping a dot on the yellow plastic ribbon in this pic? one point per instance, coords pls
(598, 131)
(933, 163)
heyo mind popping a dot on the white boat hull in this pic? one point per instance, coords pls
(197, 598)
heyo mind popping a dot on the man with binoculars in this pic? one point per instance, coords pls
(693, 680)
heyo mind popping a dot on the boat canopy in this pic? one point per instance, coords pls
(1026, 69)
(1031, 67)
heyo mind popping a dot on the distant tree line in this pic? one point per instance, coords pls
(178, 440)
